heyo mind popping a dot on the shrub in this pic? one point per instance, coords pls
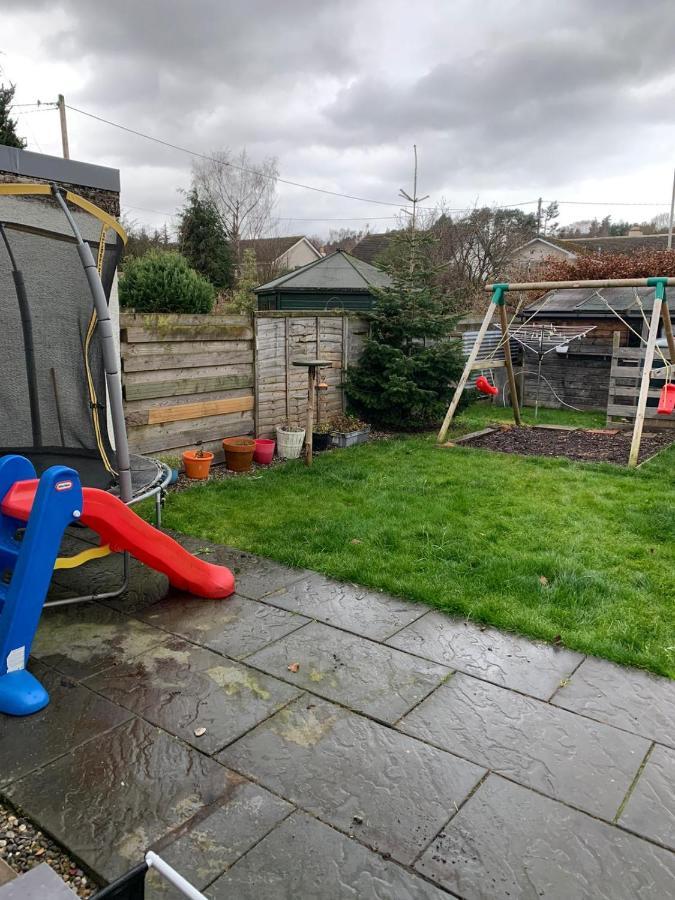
(163, 282)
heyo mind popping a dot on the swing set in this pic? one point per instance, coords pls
(660, 312)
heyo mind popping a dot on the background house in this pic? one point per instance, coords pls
(530, 256)
(372, 246)
(337, 281)
(280, 254)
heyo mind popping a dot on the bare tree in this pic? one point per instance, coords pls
(241, 190)
(476, 246)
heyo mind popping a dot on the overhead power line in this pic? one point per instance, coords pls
(230, 165)
(603, 203)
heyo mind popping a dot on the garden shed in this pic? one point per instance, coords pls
(338, 281)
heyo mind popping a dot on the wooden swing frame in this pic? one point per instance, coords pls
(498, 302)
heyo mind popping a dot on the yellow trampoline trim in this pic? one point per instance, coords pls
(72, 562)
(104, 217)
(18, 188)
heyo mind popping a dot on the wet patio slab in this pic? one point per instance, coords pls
(584, 763)
(511, 842)
(347, 606)
(504, 659)
(236, 628)
(391, 791)
(304, 858)
(367, 677)
(193, 693)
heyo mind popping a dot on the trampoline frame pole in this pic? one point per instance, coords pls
(110, 356)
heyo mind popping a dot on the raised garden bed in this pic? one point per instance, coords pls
(592, 445)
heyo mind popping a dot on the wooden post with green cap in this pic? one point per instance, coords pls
(498, 301)
(659, 285)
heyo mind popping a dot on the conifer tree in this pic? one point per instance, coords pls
(404, 378)
(203, 241)
(8, 135)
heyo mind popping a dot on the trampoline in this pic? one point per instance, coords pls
(60, 386)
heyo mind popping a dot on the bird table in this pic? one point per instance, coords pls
(312, 365)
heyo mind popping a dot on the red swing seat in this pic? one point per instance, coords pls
(666, 400)
(484, 386)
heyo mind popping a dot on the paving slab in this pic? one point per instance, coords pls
(358, 673)
(303, 858)
(40, 883)
(83, 639)
(504, 659)
(650, 810)
(509, 842)
(389, 790)
(627, 698)
(208, 844)
(347, 606)
(110, 799)
(235, 627)
(183, 688)
(74, 715)
(255, 576)
(576, 760)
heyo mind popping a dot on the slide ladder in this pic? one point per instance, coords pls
(28, 551)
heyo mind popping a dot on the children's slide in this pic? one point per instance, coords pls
(122, 529)
(33, 517)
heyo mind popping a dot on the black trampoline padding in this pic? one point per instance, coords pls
(146, 473)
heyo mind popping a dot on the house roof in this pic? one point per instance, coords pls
(622, 244)
(269, 249)
(554, 245)
(372, 245)
(337, 272)
(579, 303)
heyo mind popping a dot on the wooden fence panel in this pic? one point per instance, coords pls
(186, 379)
(624, 388)
(281, 387)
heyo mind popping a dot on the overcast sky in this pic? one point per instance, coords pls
(506, 101)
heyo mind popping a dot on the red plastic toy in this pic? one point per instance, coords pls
(484, 386)
(122, 529)
(666, 400)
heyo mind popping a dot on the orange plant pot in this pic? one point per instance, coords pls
(197, 467)
(238, 453)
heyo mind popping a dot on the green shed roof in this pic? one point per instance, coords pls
(337, 272)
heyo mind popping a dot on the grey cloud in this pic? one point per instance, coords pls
(499, 95)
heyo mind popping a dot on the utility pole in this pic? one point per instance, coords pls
(64, 126)
(539, 201)
(670, 221)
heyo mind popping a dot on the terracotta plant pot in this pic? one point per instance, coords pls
(197, 466)
(238, 453)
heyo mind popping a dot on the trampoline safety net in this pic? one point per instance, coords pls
(53, 398)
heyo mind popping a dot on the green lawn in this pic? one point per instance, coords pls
(584, 553)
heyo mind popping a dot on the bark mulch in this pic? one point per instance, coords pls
(592, 445)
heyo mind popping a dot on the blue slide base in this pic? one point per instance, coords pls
(21, 693)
